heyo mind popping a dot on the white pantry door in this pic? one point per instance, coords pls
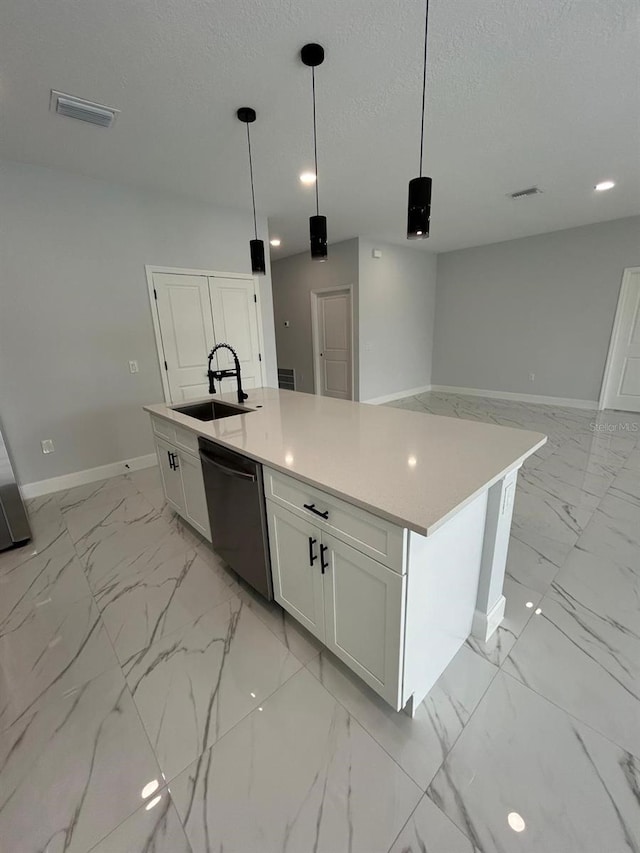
(186, 326)
(622, 382)
(333, 342)
(235, 322)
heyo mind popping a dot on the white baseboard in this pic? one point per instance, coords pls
(398, 395)
(569, 402)
(89, 475)
(485, 624)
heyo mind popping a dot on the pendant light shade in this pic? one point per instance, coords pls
(258, 266)
(247, 115)
(419, 208)
(419, 204)
(312, 55)
(318, 237)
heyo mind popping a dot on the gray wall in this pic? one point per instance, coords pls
(293, 280)
(397, 310)
(74, 309)
(542, 305)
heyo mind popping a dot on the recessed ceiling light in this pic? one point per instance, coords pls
(308, 178)
(275, 241)
(604, 185)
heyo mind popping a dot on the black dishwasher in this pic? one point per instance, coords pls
(237, 514)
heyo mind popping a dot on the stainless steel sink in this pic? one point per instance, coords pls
(210, 410)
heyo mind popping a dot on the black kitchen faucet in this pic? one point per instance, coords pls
(223, 374)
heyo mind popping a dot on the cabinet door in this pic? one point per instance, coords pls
(195, 500)
(171, 479)
(364, 616)
(295, 564)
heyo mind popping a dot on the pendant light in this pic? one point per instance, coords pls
(419, 207)
(247, 115)
(312, 55)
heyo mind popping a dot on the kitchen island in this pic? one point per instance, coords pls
(410, 514)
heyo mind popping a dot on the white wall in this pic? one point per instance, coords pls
(397, 310)
(74, 309)
(293, 280)
(542, 305)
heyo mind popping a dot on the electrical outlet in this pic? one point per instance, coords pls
(47, 445)
(532, 377)
(133, 367)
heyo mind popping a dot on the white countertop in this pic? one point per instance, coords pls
(413, 469)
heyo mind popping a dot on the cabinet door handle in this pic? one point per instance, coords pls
(312, 508)
(323, 565)
(175, 461)
(312, 557)
(170, 457)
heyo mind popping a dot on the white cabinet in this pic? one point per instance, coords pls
(183, 484)
(295, 566)
(364, 616)
(195, 500)
(170, 474)
(351, 602)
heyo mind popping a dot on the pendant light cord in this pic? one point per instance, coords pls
(253, 195)
(424, 82)
(315, 134)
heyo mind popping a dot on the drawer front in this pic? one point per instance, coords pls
(164, 429)
(186, 440)
(369, 534)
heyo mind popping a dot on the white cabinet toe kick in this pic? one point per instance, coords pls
(393, 605)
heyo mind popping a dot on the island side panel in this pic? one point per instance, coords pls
(491, 602)
(442, 586)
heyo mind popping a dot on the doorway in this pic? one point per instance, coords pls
(621, 383)
(192, 311)
(332, 332)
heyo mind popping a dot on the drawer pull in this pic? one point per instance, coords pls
(312, 508)
(312, 557)
(323, 565)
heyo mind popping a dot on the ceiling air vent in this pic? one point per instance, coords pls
(524, 193)
(68, 105)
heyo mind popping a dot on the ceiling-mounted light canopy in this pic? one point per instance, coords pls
(247, 115)
(312, 55)
(419, 204)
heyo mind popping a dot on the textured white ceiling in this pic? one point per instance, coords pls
(520, 92)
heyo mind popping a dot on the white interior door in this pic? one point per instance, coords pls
(186, 327)
(235, 322)
(334, 344)
(622, 377)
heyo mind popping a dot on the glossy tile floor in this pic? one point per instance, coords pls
(150, 702)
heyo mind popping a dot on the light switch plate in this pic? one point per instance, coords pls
(47, 445)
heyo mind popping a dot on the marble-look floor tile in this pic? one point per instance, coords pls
(419, 744)
(73, 769)
(614, 532)
(583, 651)
(299, 775)
(106, 535)
(290, 633)
(428, 830)
(146, 479)
(545, 522)
(195, 684)
(47, 526)
(154, 828)
(55, 574)
(521, 604)
(47, 650)
(529, 567)
(626, 486)
(97, 494)
(145, 598)
(520, 755)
